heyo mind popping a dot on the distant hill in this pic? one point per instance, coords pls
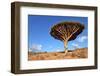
(72, 54)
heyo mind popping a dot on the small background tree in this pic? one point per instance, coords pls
(66, 31)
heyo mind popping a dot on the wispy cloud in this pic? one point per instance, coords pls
(75, 45)
(82, 38)
(57, 50)
(30, 50)
(36, 48)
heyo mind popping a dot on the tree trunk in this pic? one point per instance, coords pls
(65, 47)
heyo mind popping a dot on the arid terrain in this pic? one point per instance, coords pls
(72, 54)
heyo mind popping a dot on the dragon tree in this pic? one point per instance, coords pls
(66, 31)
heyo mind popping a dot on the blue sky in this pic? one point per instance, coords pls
(39, 37)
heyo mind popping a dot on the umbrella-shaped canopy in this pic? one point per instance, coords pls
(66, 30)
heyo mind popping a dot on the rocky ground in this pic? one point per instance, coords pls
(75, 54)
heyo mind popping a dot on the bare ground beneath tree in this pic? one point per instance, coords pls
(76, 54)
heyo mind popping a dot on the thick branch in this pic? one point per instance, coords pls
(61, 34)
(73, 33)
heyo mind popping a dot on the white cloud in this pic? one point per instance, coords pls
(37, 46)
(30, 50)
(57, 50)
(82, 38)
(75, 45)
